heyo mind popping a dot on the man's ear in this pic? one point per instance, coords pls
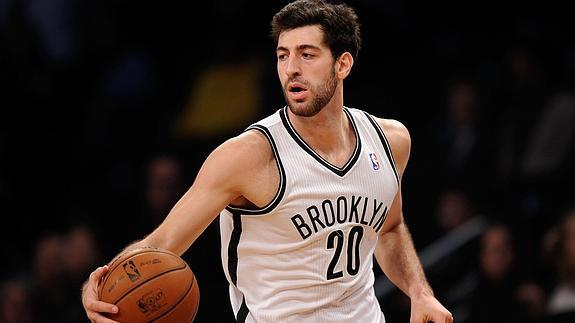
(343, 65)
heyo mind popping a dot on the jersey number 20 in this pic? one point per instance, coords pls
(336, 239)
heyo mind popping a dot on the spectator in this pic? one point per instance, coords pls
(16, 301)
(459, 150)
(164, 185)
(454, 208)
(81, 252)
(547, 165)
(562, 298)
(49, 274)
(519, 103)
(552, 141)
(496, 296)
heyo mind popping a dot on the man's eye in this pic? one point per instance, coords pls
(282, 57)
(307, 55)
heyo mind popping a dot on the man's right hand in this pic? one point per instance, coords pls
(92, 305)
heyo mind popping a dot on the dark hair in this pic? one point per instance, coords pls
(338, 22)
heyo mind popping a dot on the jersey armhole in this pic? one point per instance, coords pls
(385, 144)
(282, 185)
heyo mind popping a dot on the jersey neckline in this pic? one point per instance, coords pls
(340, 171)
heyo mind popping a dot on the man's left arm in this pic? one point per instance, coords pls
(395, 252)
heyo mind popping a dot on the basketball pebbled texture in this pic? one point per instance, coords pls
(149, 284)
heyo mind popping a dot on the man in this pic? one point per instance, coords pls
(307, 196)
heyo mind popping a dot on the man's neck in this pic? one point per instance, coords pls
(329, 132)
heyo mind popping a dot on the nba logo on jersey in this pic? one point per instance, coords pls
(374, 161)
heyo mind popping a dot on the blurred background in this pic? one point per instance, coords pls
(108, 108)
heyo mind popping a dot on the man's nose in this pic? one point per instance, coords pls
(293, 67)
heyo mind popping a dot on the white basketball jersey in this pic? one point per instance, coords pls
(307, 255)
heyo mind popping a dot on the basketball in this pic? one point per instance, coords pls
(149, 284)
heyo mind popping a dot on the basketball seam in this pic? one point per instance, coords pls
(179, 301)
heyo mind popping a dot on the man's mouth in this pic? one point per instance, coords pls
(296, 88)
(297, 92)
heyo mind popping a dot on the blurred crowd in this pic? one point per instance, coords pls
(109, 108)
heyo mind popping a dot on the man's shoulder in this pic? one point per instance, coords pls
(251, 147)
(388, 125)
(247, 141)
(392, 126)
(399, 139)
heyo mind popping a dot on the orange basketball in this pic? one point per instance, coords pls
(149, 284)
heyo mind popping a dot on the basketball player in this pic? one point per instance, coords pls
(306, 196)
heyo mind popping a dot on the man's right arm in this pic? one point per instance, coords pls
(222, 179)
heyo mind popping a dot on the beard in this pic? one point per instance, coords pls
(321, 95)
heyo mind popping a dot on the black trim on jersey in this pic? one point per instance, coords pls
(282, 187)
(233, 247)
(243, 312)
(385, 143)
(233, 262)
(338, 171)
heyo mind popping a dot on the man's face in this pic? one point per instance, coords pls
(306, 70)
